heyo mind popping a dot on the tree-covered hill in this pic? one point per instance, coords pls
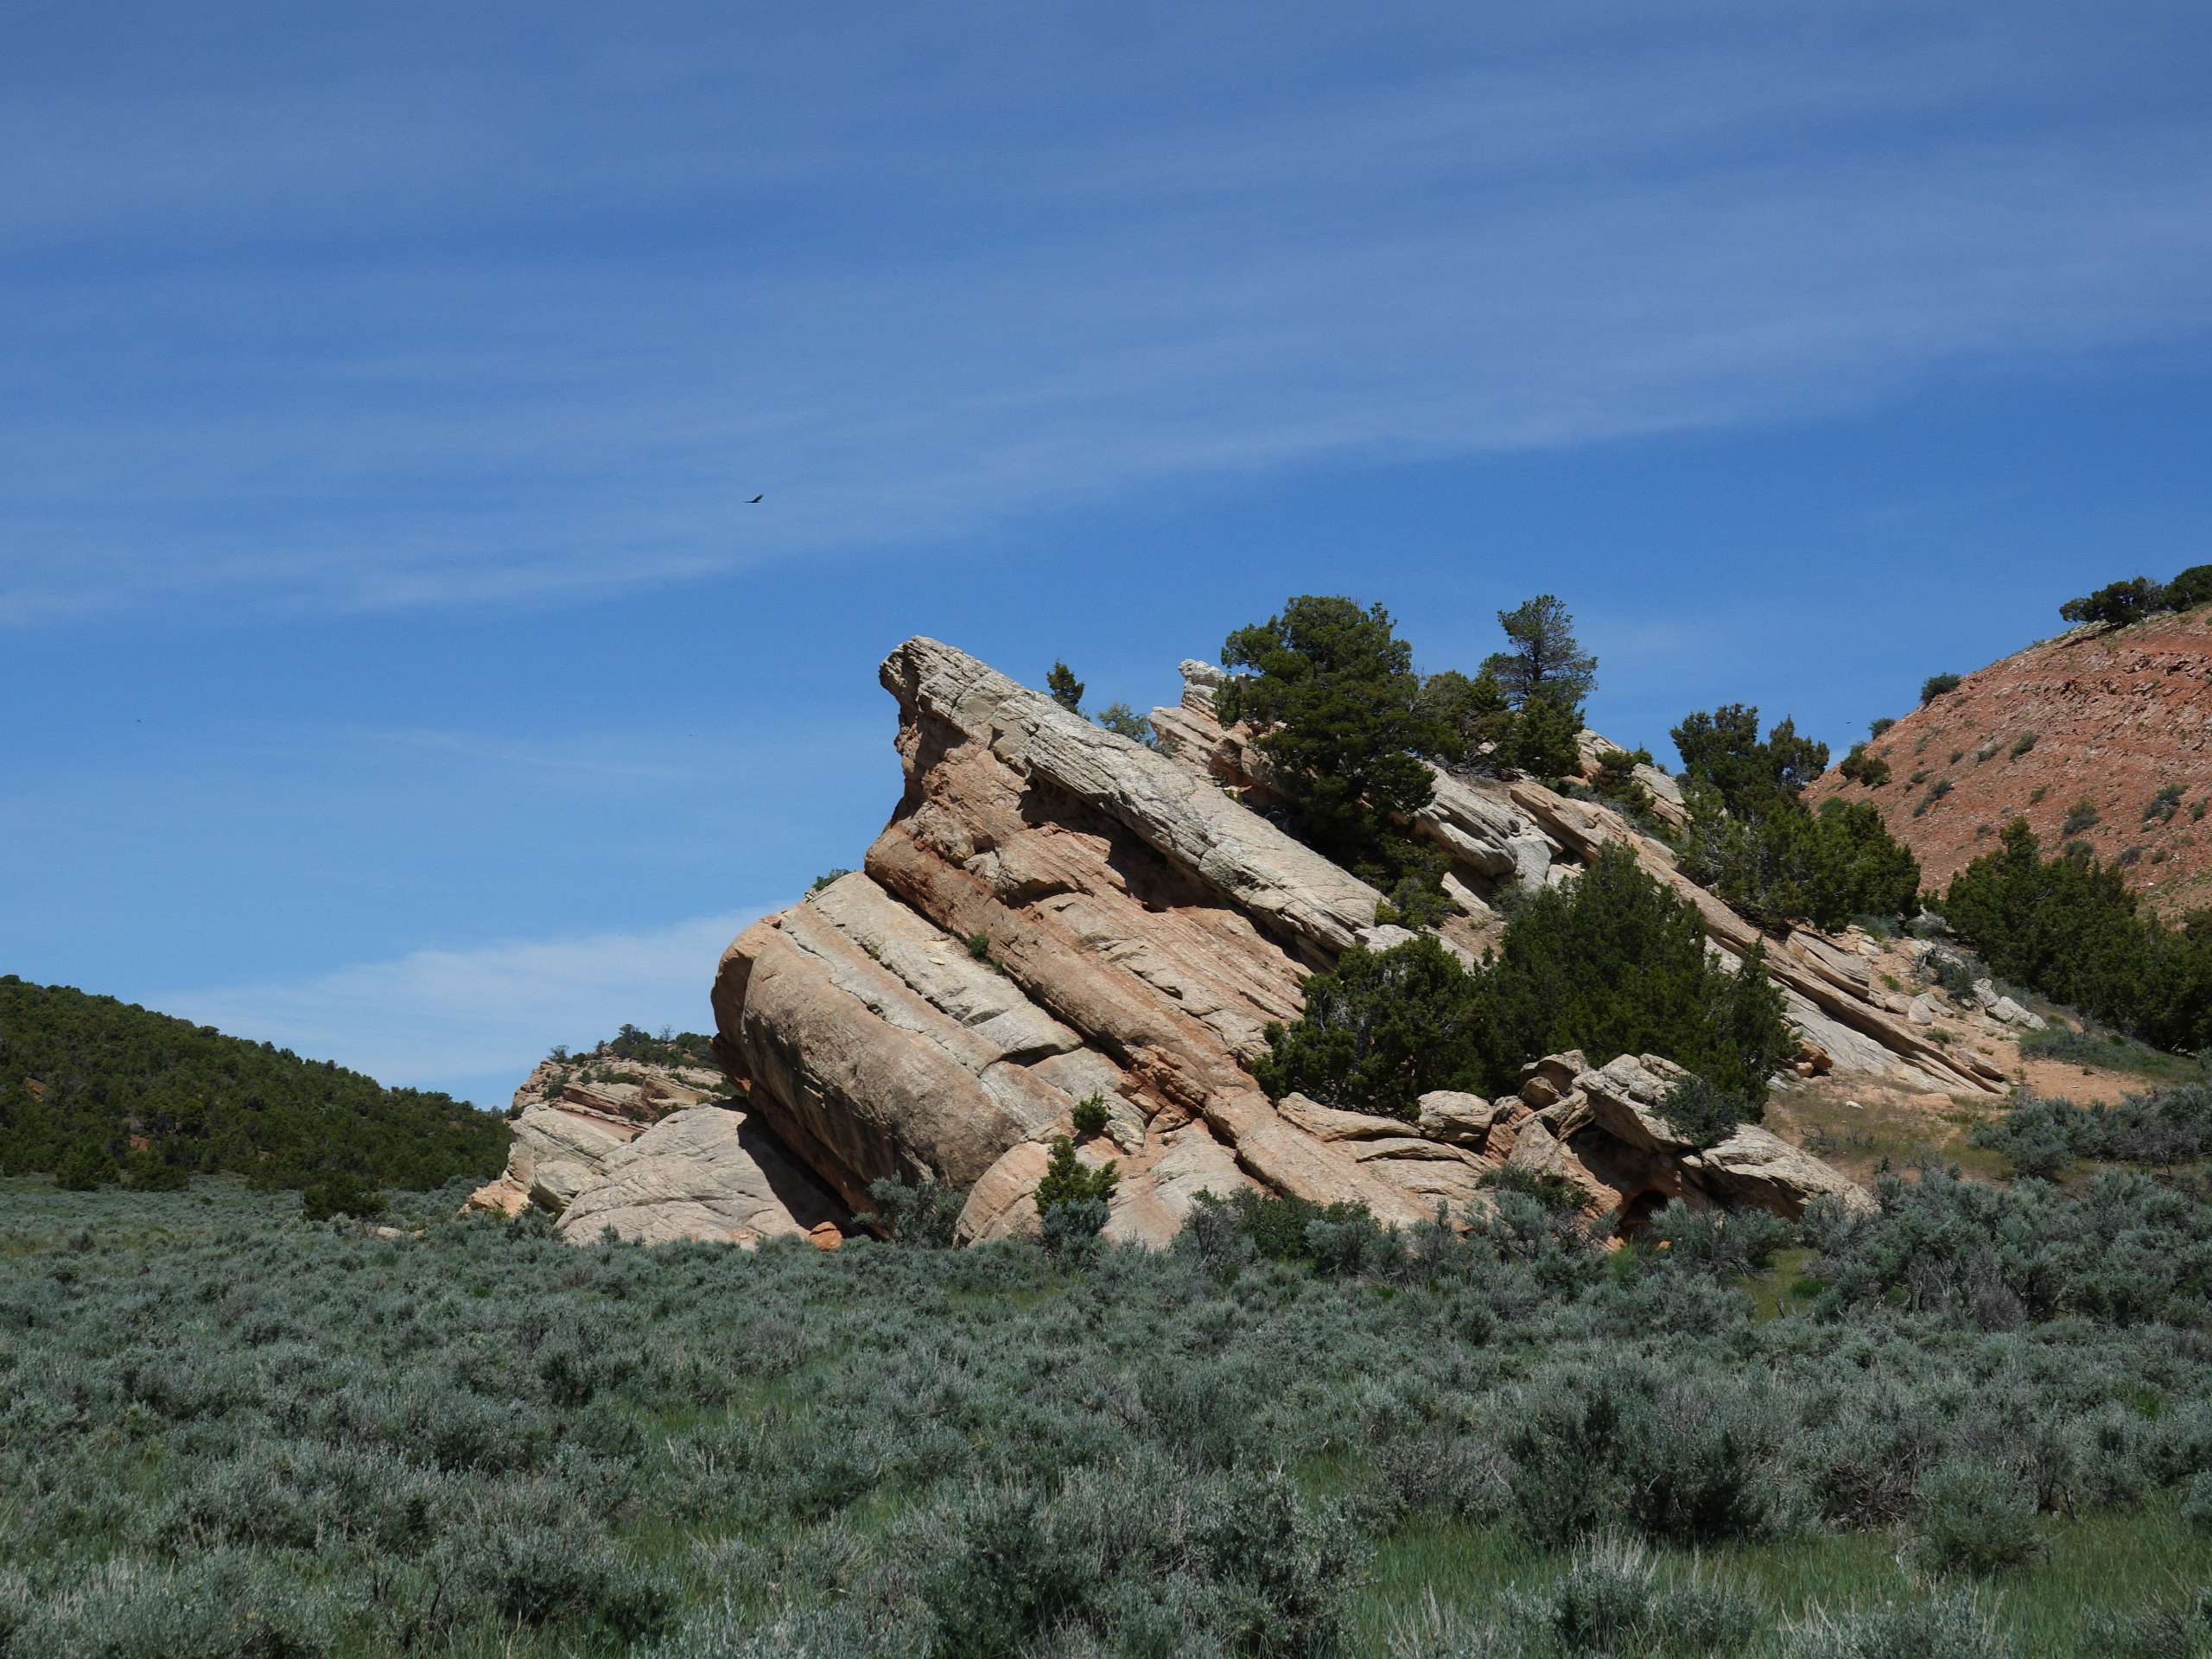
(91, 1086)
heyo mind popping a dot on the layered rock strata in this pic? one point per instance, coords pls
(653, 1152)
(1057, 913)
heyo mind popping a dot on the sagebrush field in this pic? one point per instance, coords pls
(1978, 1425)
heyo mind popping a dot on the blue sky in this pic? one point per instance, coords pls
(392, 669)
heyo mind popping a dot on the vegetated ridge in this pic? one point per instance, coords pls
(91, 1088)
(2101, 736)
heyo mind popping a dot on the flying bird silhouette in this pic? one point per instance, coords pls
(757, 500)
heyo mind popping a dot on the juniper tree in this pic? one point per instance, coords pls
(1544, 663)
(1066, 690)
(1337, 711)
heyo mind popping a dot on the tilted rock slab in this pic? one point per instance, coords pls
(705, 1172)
(1056, 913)
(664, 1156)
(558, 1150)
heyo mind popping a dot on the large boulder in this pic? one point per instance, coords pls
(1752, 1166)
(706, 1172)
(558, 1151)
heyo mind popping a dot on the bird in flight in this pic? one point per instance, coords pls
(757, 500)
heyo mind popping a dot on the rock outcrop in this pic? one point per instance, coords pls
(656, 1152)
(703, 1172)
(1057, 914)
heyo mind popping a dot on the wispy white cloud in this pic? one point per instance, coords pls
(585, 757)
(448, 1019)
(912, 301)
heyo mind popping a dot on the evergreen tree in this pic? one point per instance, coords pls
(2116, 603)
(1543, 742)
(2192, 587)
(1066, 690)
(1612, 964)
(1380, 1030)
(1723, 751)
(1330, 691)
(107, 1070)
(1545, 662)
(2068, 927)
(1124, 722)
(1474, 716)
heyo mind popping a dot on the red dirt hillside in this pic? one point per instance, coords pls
(2119, 718)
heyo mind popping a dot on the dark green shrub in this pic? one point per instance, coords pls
(1705, 1115)
(921, 1216)
(1616, 779)
(1875, 729)
(1974, 1517)
(2115, 604)
(1124, 722)
(339, 1194)
(148, 1172)
(1936, 685)
(1071, 1198)
(1417, 898)
(2080, 816)
(1782, 863)
(1090, 1114)
(1473, 717)
(2192, 587)
(1870, 770)
(2070, 928)
(1381, 1030)
(2022, 744)
(1542, 743)
(1612, 964)
(827, 877)
(85, 1167)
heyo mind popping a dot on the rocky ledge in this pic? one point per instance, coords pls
(1055, 913)
(655, 1152)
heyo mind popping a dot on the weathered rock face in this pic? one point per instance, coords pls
(1055, 913)
(1750, 1166)
(703, 1172)
(656, 1152)
(558, 1150)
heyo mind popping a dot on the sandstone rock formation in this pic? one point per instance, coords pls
(1055, 913)
(656, 1152)
(703, 1172)
(2113, 716)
